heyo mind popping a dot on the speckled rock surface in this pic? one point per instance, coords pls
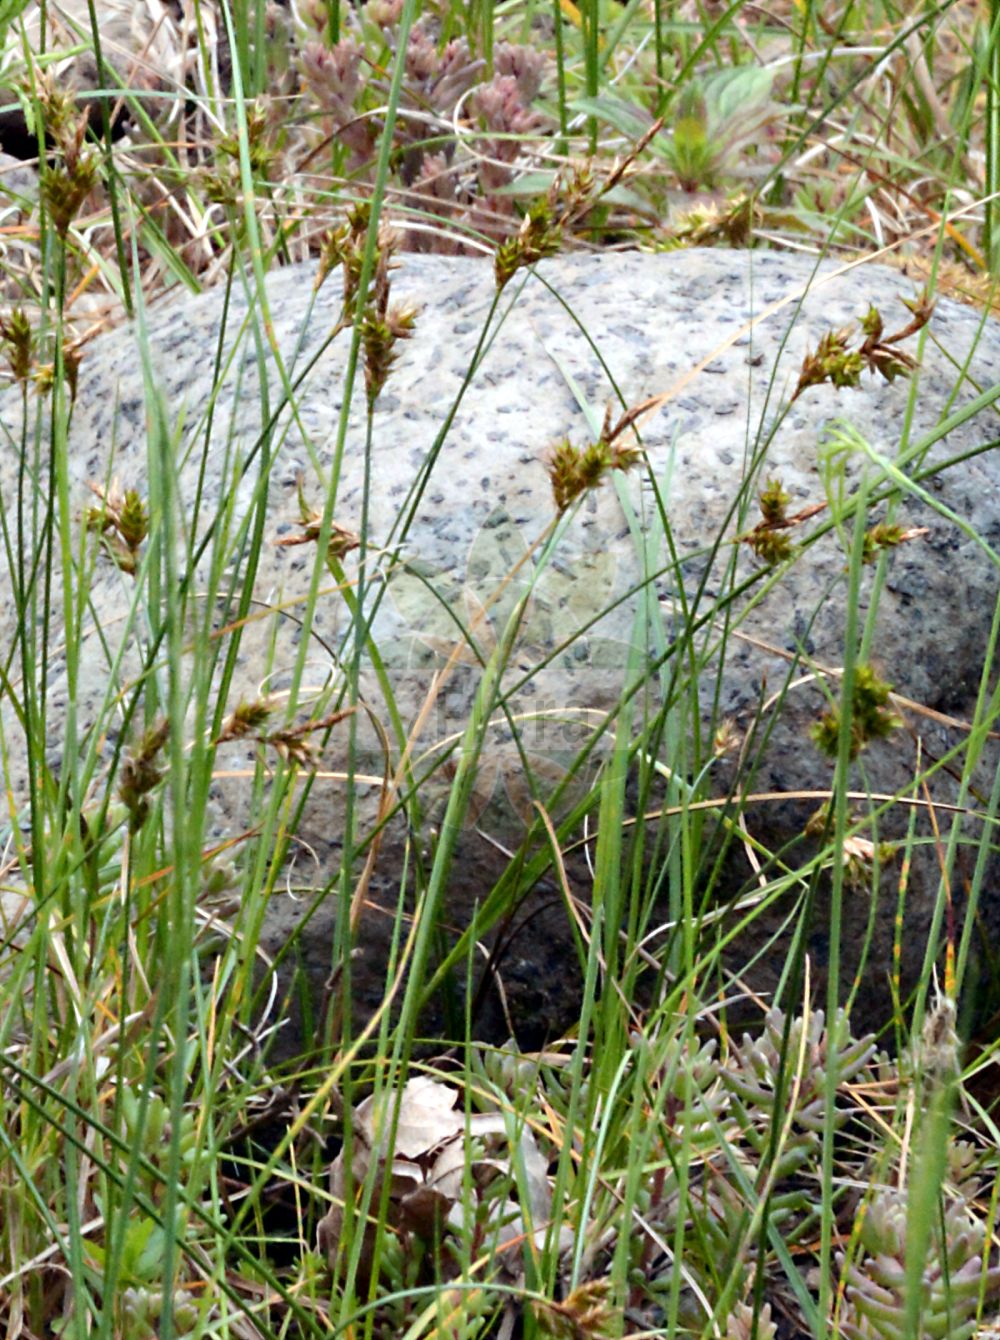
(592, 328)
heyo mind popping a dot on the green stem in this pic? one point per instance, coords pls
(991, 139)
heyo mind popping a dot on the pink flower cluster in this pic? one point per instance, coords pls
(458, 141)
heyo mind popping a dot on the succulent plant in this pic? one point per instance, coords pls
(955, 1277)
(141, 1310)
(149, 1130)
(782, 1074)
(740, 1323)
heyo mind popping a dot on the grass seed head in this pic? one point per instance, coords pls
(141, 773)
(540, 235)
(871, 718)
(833, 362)
(574, 470)
(122, 521)
(19, 343)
